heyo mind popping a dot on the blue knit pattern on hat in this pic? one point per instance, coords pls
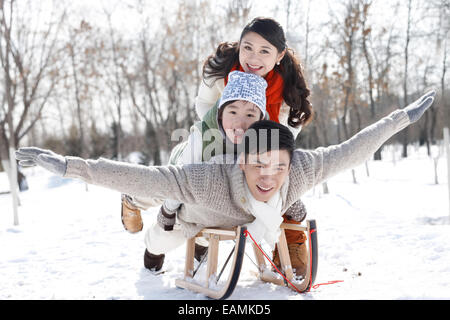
(245, 86)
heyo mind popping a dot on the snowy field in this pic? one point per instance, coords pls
(386, 237)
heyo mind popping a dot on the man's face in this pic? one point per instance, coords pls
(266, 172)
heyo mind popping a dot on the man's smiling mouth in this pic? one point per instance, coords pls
(264, 189)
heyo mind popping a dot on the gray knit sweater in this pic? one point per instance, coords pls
(213, 195)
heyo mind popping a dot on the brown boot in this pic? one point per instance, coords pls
(131, 216)
(153, 262)
(299, 258)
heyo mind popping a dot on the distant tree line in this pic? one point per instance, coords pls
(80, 87)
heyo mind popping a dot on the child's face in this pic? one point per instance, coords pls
(257, 55)
(237, 117)
(266, 172)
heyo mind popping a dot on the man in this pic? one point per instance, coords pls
(266, 181)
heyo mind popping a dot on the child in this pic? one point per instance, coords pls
(226, 195)
(242, 103)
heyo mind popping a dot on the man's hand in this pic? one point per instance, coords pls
(416, 109)
(32, 156)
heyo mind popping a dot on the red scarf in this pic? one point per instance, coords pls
(274, 92)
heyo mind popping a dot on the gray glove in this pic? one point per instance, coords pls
(416, 109)
(32, 156)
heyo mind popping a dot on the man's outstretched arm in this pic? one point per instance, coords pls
(322, 163)
(162, 182)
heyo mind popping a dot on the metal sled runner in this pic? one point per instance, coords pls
(208, 285)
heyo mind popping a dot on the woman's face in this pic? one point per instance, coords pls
(257, 55)
(237, 117)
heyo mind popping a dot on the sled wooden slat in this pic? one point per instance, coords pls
(259, 259)
(189, 263)
(285, 259)
(292, 226)
(213, 257)
(224, 232)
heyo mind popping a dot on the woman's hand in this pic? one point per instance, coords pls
(32, 156)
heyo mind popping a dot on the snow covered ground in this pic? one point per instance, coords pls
(387, 237)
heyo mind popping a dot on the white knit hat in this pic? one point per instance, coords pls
(245, 86)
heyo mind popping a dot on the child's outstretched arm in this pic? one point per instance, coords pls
(184, 184)
(322, 163)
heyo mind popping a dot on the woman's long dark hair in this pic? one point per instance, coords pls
(295, 91)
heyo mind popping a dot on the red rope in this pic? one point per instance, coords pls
(246, 232)
(329, 282)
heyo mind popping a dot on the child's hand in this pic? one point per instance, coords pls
(32, 156)
(416, 109)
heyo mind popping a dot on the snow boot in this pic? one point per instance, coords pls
(299, 258)
(153, 262)
(131, 215)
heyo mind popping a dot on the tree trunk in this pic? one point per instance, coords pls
(152, 143)
(405, 133)
(78, 101)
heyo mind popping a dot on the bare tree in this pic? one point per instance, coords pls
(164, 75)
(30, 63)
(367, 52)
(345, 49)
(405, 132)
(307, 35)
(114, 79)
(444, 104)
(440, 10)
(237, 12)
(81, 77)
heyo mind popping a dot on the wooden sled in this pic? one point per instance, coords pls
(207, 285)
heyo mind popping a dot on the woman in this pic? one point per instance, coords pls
(262, 50)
